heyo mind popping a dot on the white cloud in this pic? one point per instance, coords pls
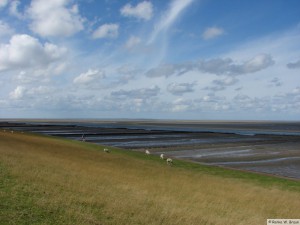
(294, 65)
(24, 78)
(149, 85)
(276, 82)
(132, 42)
(257, 63)
(211, 98)
(210, 103)
(222, 84)
(137, 93)
(89, 77)
(226, 81)
(24, 51)
(179, 108)
(161, 70)
(106, 31)
(127, 73)
(5, 29)
(168, 70)
(143, 10)
(180, 105)
(244, 102)
(217, 66)
(180, 89)
(32, 96)
(13, 9)
(18, 93)
(3, 3)
(40, 90)
(176, 7)
(128, 69)
(54, 18)
(296, 90)
(124, 74)
(128, 101)
(212, 32)
(40, 74)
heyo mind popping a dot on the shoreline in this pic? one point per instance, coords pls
(234, 127)
(200, 147)
(246, 171)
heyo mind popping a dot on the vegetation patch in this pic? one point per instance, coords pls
(54, 181)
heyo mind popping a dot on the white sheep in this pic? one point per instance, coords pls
(83, 138)
(106, 150)
(162, 156)
(169, 161)
(147, 152)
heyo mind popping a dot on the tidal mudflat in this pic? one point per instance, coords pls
(267, 147)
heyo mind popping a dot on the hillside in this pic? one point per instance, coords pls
(47, 180)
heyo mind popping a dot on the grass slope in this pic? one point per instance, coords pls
(47, 180)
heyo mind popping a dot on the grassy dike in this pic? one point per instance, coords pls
(46, 180)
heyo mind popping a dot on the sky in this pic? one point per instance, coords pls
(152, 59)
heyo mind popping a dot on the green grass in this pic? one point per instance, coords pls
(19, 203)
(46, 180)
(257, 178)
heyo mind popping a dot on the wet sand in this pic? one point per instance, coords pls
(266, 147)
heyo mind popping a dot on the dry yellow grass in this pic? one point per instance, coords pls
(64, 182)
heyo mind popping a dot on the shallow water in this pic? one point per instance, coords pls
(201, 153)
(264, 161)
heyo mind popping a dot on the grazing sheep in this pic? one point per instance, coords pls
(12, 132)
(147, 152)
(82, 137)
(162, 156)
(169, 161)
(106, 150)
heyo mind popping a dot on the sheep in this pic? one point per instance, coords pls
(162, 156)
(147, 152)
(169, 161)
(83, 138)
(12, 132)
(106, 150)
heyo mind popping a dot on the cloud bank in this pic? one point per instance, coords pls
(217, 66)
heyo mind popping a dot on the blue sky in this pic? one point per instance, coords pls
(173, 59)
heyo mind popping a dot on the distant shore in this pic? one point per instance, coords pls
(242, 125)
